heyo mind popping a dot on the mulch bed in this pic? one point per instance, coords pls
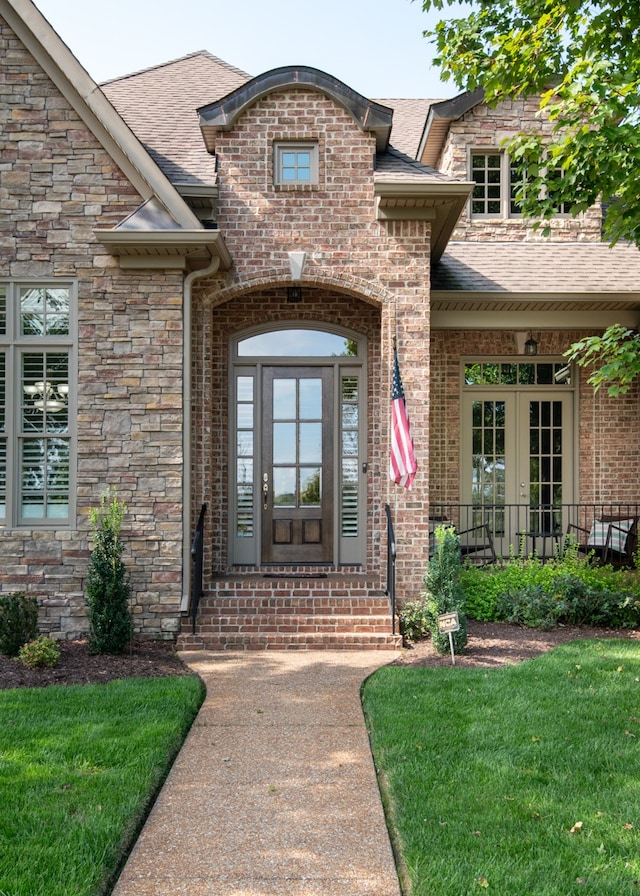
(489, 645)
(144, 659)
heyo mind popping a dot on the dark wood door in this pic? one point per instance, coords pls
(297, 465)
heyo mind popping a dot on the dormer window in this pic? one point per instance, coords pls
(295, 164)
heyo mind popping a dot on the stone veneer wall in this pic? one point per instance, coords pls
(56, 185)
(486, 128)
(352, 259)
(608, 432)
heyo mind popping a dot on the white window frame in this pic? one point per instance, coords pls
(14, 345)
(506, 183)
(297, 148)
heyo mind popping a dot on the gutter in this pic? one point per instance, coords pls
(187, 292)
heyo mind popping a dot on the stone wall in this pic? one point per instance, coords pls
(487, 129)
(57, 184)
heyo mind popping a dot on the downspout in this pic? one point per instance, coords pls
(212, 268)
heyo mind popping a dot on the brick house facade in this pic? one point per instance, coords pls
(175, 239)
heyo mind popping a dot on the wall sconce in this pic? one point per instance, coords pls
(531, 346)
(294, 294)
(47, 396)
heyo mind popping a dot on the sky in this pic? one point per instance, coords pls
(374, 46)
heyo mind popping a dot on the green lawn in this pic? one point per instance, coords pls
(78, 768)
(518, 781)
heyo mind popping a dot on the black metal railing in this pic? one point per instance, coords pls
(197, 556)
(523, 529)
(390, 590)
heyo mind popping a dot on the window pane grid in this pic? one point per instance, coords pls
(486, 173)
(295, 164)
(349, 486)
(35, 434)
(245, 448)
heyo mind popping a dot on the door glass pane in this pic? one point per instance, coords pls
(284, 399)
(284, 487)
(310, 486)
(245, 446)
(310, 436)
(545, 466)
(284, 443)
(310, 399)
(349, 444)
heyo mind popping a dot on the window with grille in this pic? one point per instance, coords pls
(295, 164)
(36, 448)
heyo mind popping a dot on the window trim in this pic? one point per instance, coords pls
(14, 344)
(296, 146)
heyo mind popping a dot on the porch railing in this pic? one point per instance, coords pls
(523, 529)
(197, 556)
(391, 567)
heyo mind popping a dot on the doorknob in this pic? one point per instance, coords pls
(265, 489)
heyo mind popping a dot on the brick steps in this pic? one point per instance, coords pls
(329, 614)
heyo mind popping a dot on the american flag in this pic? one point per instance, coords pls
(403, 465)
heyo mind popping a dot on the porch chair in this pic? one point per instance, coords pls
(612, 539)
(478, 544)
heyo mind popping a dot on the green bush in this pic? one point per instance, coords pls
(443, 592)
(108, 589)
(42, 653)
(18, 622)
(569, 590)
(414, 620)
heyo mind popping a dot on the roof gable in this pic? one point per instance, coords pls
(222, 114)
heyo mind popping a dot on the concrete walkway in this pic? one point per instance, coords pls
(274, 791)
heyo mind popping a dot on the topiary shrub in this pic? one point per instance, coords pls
(443, 592)
(108, 589)
(18, 622)
(42, 653)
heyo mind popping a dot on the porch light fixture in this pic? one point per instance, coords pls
(294, 294)
(531, 346)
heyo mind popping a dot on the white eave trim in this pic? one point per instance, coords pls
(178, 249)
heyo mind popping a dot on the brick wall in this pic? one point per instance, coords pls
(607, 432)
(353, 262)
(56, 185)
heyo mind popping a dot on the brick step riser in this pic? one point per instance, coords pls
(251, 624)
(301, 602)
(290, 642)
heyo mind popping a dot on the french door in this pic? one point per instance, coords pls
(518, 464)
(297, 465)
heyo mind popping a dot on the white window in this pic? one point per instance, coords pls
(36, 447)
(295, 164)
(497, 183)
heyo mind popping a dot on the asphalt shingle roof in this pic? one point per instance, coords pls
(409, 117)
(159, 105)
(544, 267)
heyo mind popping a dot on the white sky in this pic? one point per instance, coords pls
(374, 46)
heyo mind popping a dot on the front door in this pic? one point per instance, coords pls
(297, 475)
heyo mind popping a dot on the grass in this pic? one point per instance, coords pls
(78, 769)
(516, 781)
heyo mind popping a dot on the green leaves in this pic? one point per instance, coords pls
(583, 60)
(615, 354)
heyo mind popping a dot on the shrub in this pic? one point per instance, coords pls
(414, 620)
(443, 592)
(42, 653)
(108, 587)
(18, 622)
(569, 590)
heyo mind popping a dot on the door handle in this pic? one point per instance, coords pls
(265, 489)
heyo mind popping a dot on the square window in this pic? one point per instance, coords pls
(295, 164)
